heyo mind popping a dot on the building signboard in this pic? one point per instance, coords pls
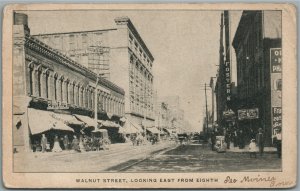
(57, 105)
(228, 81)
(277, 117)
(248, 114)
(276, 87)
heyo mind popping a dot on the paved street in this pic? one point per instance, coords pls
(163, 157)
(199, 158)
(95, 161)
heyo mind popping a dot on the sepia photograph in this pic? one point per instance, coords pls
(145, 91)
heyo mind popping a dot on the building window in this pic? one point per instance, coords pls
(31, 81)
(39, 81)
(47, 85)
(71, 42)
(55, 88)
(61, 90)
(67, 92)
(84, 41)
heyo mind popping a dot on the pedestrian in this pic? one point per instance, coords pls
(213, 140)
(44, 143)
(260, 141)
(56, 146)
(277, 141)
(66, 142)
(227, 139)
(75, 144)
(252, 148)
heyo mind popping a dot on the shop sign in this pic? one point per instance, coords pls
(57, 105)
(276, 117)
(275, 60)
(276, 87)
(228, 81)
(248, 114)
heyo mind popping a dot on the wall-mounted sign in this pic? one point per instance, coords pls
(276, 87)
(275, 60)
(276, 117)
(228, 81)
(57, 105)
(248, 114)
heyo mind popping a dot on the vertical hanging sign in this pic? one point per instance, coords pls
(228, 81)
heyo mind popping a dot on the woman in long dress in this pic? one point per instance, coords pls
(56, 147)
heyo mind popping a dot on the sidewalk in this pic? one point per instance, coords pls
(246, 149)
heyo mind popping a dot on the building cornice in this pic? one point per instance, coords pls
(40, 47)
(127, 21)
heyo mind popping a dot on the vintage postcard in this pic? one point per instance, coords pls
(149, 96)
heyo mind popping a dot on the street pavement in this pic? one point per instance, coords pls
(199, 158)
(162, 157)
(93, 161)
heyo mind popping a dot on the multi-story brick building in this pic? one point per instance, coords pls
(118, 54)
(257, 43)
(49, 86)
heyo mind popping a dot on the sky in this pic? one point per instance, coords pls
(185, 46)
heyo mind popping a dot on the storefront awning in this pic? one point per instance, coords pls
(67, 119)
(41, 121)
(153, 130)
(130, 127)
(167, 130)
(87, 120)
(107, 123)
(123, 119)
(147, 124)
(99, 130)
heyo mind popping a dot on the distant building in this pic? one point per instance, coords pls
(257, 44)
(175, 113)
(118, 54)
(49, 87)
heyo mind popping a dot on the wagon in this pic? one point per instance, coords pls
(100, 139)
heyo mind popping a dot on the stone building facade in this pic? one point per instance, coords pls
(118, 54)
(45, 78)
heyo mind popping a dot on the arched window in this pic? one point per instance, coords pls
(39, 80)
(61, 88)
(55, 86)
(47, 89)
(66, 89)
(31, 69)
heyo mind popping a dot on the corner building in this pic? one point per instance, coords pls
(118, 54)
(257, 38)
(43, 77)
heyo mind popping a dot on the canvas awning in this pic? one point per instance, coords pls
(147, 124)
(67, 119)
(41, 121)
(153, 130)
(99, 130)
(107, 123)
(130, 128)
(87, 120)
(123, 119)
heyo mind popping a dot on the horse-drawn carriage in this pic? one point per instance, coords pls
(99, 140)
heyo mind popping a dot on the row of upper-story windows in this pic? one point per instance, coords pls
(137, 69)
(139, 51)
(51, 86)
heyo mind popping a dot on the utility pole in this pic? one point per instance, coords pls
(206, 109)
(212, 98)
